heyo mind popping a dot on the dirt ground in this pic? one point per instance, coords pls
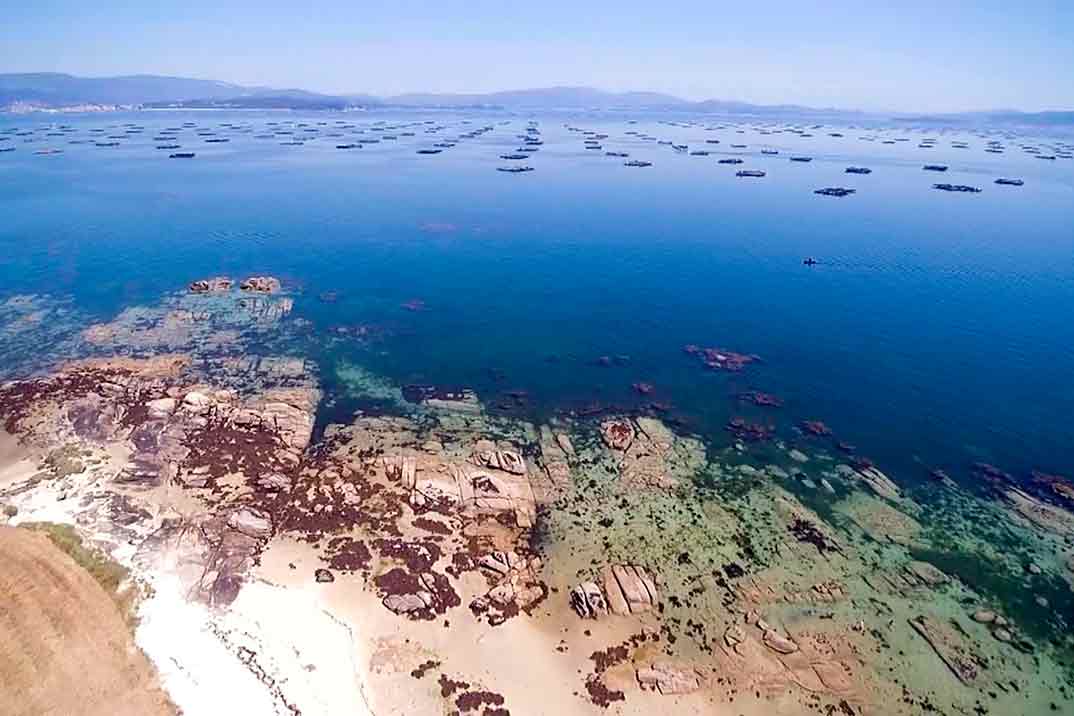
(64, 645)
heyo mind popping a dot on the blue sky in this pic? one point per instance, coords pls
(911, 55)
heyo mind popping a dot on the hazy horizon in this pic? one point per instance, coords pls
(920, 58)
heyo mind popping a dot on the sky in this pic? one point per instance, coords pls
(909, 56)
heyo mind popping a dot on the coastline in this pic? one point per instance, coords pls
(444, 557)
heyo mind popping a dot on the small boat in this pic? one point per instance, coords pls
(181, 155)
(700, 153)
(810, 261)
(750, 173)
(935, 168)
(680, 147)
(48, 151)
(348, 146)
(292, 143)
(712, 141)
(168, 146)
(957, 188)
(835, 191)
(738, 146)
(770, 151)
(616, 154)
(514, 156)
(219, 140)
(801, 159)
(106, 144)
(859, 170)
(1010, 182)
(429, 151)
(7, 149)
(731, 161)
(514, 170)
(637, 163)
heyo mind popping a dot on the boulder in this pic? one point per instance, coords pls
(251, 522)
(217, 284)
(162, 407)
(588, 601)
(405, 603)
(629, 589)
(261, 284)
(196, 401)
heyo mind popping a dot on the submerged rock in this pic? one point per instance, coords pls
(617, 434)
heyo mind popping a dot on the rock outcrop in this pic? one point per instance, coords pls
(668, 678)
(260, 284)
(623, 589)
(218, 284)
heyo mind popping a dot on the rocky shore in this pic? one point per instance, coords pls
(440, 557)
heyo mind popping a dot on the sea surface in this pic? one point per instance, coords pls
(936, 331)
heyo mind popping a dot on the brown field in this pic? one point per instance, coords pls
(65, 643)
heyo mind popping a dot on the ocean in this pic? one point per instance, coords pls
(934, 332)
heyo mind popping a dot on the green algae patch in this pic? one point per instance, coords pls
(1016, 595)
(111, 575)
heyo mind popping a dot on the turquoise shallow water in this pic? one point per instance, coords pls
(935, 332)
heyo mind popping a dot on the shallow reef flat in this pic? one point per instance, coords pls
(434, 556)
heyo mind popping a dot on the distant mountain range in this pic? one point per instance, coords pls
(55, 90)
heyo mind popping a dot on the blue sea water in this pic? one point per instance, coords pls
(935, 332)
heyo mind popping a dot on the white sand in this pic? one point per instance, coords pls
(301, 655)
(197, 670)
